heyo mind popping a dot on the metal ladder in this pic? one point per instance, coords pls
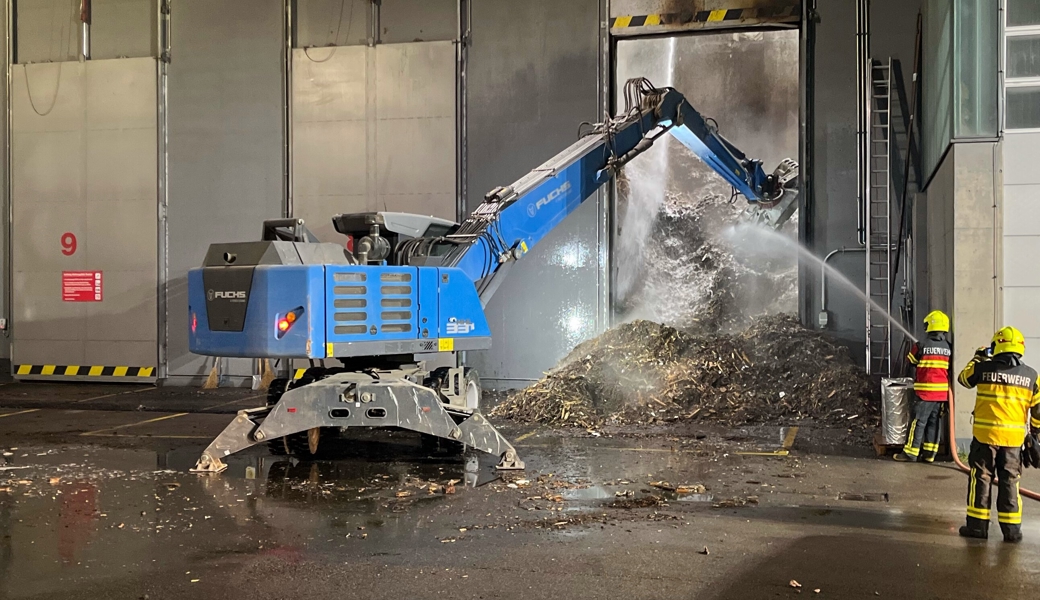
(878, 223)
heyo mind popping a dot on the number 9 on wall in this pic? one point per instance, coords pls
(68, 243)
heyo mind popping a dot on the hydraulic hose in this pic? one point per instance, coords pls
(957, 459)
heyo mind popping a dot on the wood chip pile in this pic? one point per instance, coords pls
(776, 372)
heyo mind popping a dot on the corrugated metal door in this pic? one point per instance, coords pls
(226, 145)
(373, 129)
(84, 230)
(521, 112)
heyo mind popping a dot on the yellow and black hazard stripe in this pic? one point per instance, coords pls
(724, 15)
(85, 371)
(298, 373)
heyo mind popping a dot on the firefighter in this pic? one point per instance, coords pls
(1007, 402)
(931, 357)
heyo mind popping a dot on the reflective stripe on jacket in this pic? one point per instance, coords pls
(932, 358)
(1006, 401)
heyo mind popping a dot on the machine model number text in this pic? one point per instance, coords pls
(460, 326)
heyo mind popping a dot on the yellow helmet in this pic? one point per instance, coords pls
(937, 321)
(1009, 339)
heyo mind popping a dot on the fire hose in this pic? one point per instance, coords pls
(957, 459)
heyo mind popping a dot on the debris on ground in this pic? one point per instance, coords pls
(775, 372)
(641, 502)
(678, 489)
(736, 502)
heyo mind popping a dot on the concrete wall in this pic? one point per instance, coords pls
(965, 230)
(834, 145)
(977, 269)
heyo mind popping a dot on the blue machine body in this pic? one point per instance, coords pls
(275, 290)
(348, 310)
(434, 300)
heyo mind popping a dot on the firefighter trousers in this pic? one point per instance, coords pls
(922, 442)
(986, 461)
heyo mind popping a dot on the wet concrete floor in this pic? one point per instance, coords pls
(100, 504)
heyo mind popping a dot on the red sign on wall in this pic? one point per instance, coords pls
(81, 286)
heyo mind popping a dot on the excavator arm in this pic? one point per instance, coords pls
(512, 219)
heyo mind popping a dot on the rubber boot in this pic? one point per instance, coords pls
(1012, 533)
(904, 457)
(976, 528)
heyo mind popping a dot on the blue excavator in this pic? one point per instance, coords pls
(405, 287)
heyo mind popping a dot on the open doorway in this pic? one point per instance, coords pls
(677, 256)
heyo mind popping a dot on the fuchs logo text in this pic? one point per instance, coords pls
(533, 209)
(226, 295)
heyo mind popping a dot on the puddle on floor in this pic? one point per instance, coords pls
(82, 511)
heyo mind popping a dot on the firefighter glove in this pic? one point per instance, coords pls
(1031, 451)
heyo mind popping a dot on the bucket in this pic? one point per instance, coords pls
(896, 394)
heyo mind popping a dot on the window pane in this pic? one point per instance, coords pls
(976, 86)
(1023, 108)
(1023, 12)
(1023, 56)
(937, 111)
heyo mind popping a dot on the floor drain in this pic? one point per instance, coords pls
(870, 497)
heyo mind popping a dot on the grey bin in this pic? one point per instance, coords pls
(895, 409)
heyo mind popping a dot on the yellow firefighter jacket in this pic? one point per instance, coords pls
(1007, 398)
